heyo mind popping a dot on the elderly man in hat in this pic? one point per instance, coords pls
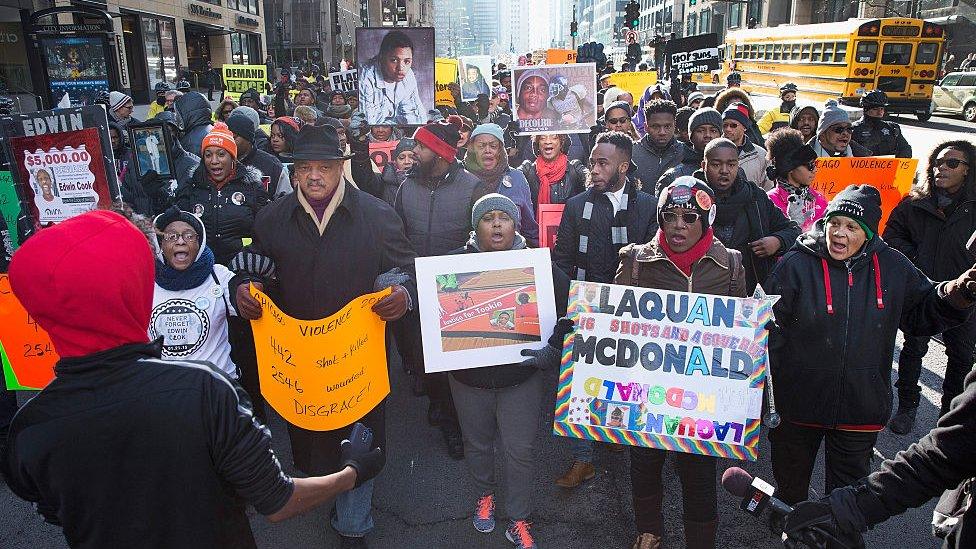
(326, 244)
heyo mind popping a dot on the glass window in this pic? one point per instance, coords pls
(777, 51)
(232, 4)
(927, 53)
(167, 42)
(14, 67)
(805, 52)
(828, 52)
(235, 48)
(950, 80)
(154, 54)
(867, 51)
(967, 80)
(840, 52)
(896, 53)
(817, 54)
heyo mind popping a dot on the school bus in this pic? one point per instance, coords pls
(842, 60)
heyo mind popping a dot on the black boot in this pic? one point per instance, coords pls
(904, 420)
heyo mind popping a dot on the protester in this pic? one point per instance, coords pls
(792, 167)
(595, 225)
(681, 119)
(834, 132)
(733, 95)
(314, 240)
(617, 118)
(695, 100)
(467, 126)
(831, 353)
(876, 134)
(306, 98)
(252, 99)
(675, 259)
(284, 131)
(552, 177)
(193, 110)
(615, 94)
(120, 433)
(159, 104)
(184, 164)
(120, 109)
(278, 181)
(504, 403)
(260, 138)
(746, 219)
(775, 119)
(655, 92)
(658, 151)
(931, 226)
(704, 126)
(388, 86)
(752, 157)
(395, 172)
(805, 119)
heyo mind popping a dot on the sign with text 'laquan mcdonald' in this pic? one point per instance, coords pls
(26, 350)
(322, 375)
(660, 369)
(891, 176)
(240, 78)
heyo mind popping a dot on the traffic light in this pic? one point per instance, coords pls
(692, 2)
(573, 29)
(632, 20)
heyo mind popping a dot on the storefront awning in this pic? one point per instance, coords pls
(204, 28)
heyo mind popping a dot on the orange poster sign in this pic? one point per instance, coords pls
(27, 352)
(891, 176)
(560, 57)
(381, 152)
(322, 375)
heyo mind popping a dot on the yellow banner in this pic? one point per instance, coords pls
(634, 82)
(240, 78)
(445, 74)
(322, 375)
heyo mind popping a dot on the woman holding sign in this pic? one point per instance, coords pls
(683, 256)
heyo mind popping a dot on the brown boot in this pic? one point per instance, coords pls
(579, 472)
(647, 541)
(700, 535)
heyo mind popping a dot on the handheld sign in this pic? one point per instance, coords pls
(27, 352)
(891, 176)
(240, 78)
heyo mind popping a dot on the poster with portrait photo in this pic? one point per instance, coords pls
(396, 74)
(474, 74)
(555, 98)
(151, 145)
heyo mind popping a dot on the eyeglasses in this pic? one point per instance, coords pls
(187, 237)
(672, 217)
(843, 129)
(811, 165)
(617, 120)
(952, 163)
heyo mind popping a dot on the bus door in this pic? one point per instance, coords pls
(864, 62)
(928, 54)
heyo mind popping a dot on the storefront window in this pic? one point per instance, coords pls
(167, 42)
(14, 71)
(235, 49)
(245, 48)
(154, 54)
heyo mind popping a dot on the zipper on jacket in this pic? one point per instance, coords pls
(847, 326)
(430, 221)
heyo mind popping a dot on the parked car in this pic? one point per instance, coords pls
(956, 94)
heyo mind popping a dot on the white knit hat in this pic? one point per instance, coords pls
(117, 99)
(832, 114)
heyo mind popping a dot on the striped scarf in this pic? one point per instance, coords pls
(618, 231)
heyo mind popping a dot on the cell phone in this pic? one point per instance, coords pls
(361, 434)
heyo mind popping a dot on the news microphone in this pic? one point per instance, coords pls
(756, 493)
(971, 244)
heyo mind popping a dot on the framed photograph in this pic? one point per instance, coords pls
(555, 98)
(151, 145)
(549, 217)
(474, 73)
(482, 309)
(396, 74)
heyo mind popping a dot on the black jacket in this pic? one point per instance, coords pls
(834, 369)
(271, 169)
(572, 183)
(602, 254)
(195, 112)
(934, 239)
(691, 161)
(228, 214)
(652, 162)
(881, 137)
(755, 216)
(161, 453)
(510, 375)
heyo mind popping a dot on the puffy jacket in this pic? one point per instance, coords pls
(935, 240)
(691, 161)
(227, 214)
(572, 183)
(437, 214)
(831, 353)
(652, 162)
(805, 215)
(753, 162)
(881, 137)
(195, 112)
(773, 118)
(648, 266)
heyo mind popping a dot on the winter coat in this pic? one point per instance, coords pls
(831, 353)
(275, 176)
(133, 192)
(718, 272)
(761, 218)
(935, 240)
(437, 214)
(881, 137)
(572, 183)
(652, 163)
(228, 214)
(691, 161)
(773, 118)
(753, 162)
(194, 109)
(854, 149)
(738, 95)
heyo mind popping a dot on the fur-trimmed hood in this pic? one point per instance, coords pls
(734, 95)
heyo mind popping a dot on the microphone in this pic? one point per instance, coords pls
(971, 244)
(756, 493)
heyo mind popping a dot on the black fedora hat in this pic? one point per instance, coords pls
(316, 142)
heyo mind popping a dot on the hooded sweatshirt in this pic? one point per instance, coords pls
(194, 109)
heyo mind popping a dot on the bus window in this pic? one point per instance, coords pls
(817, 52)
(896, 53)
(927, 53)
(738, 51)
(752, 51)
(777, 52)
(867, 51)
(840, 53)
(828, 53)
(762, 52)
(805, 52)
(795, 52)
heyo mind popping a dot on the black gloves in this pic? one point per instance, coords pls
(358, 452)
(835, 519)
(961, 292)
(550, 355)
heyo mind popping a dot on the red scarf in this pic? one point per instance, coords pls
(686, 259)
(549, 173)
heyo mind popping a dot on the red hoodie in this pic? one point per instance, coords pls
(88, 281)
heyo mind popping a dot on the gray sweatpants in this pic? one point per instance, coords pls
(512, 415)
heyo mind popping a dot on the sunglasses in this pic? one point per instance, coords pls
(617, 120)
(843, 129)
(672, 217)
(952, 163)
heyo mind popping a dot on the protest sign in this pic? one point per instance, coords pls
(63, 161)
(322, 375)
(240, 78)
(549, 217)
(28, 354)
(381, 153)
(693, 54)
(10, 207)
(445, 74)
(474, 75)
(482, 309)
(891, 176)
(151, 144)
(555, 98)
(634, 83)
(661, 369)
(344, 81)
(414, 81)
(560, 57)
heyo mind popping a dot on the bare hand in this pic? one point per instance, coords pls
(393, 306)
(765, 247)
(247, 306)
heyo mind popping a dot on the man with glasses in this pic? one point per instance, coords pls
(658, 151)
(834, 134)
(874, 133)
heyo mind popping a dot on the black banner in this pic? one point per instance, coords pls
(694, 54)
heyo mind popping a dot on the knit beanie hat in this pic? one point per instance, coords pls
(493, 130)
(683, 116)
(862, 203)
(175, 214)
(688, 192)
(798, 110)
(491, 202)
(117, 99)
(251, 113)
(241, 125)
(832, 114)
(611, 95)
(220, 136)
(739, 113)
(695, 96)
(405, 144)
(619, 105)
(703, 116)
(440, 137)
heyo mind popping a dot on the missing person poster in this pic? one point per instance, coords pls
(475, 76)
(396, 74)
(555, 98)
(240, 78)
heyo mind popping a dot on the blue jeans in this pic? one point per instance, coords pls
(582, 449)
(352, 515)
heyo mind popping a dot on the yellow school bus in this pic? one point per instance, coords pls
(842, 60)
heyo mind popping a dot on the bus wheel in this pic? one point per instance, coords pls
(969, 112)
(923, 116)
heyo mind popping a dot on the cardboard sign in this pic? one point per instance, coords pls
(634, 83)
(482, 309)
(240, 78)
(659, 369)
(555, 98)
(445, 74)
(344, 81)
(381, 153)
(891, 176)
(322, 375)
(28, 354)
(560, 57)
(549, 218)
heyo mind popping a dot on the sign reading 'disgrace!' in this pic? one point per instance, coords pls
(660, 369)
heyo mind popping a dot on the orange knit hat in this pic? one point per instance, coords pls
(220, 136)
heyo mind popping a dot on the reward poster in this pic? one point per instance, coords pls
(660, 369)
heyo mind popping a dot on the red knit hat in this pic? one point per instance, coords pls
(220, 136)
(440, 137)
